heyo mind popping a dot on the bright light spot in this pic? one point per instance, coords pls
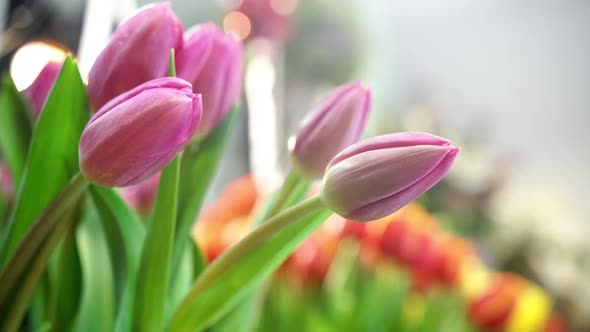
(29, 60)
(259, 84)
(283, 7)
(291, 143)
(238, 24)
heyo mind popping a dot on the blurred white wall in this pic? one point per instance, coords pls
(520, 68)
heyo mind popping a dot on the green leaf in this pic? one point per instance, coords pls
(3, 208)
(20, 276)
(202, 309)
(38, 311)
(182, 282)
(15, 127)
(340, 284)
(68, 286)
(154, 269)
(124, 234)
(199, 163)
(199, 261)
(97, 306)
(242, 317)
(53, 154)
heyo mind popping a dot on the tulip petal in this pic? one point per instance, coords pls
(137, 52)
(390, 141)
(38, 91)
(396, 201)
(197, 46)
(212, 61)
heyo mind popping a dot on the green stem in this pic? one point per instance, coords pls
(154, 269)
(282, 198)
(33, 239)
(25, 267)
(257, 236)
(200, 161)
(171, 64)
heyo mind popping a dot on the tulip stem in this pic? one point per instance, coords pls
(256, 238)
(171, 64)
(281, 200)
(156, 258)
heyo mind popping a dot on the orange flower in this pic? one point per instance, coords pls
(491, 310)
(457, 252)
(227, 220)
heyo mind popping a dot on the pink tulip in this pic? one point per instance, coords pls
(215, 73)
(197, 46)
(137, 52)
(336, 123)
(377, 176)
(138, 133)
(38, 91)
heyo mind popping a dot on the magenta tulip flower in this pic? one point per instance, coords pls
(137, 52)
(217, 76)
(38, 91)
(138, 133)
(336, 123)
(195, 51)
(377, 176)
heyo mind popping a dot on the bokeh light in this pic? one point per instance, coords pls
(30, 59)
(283, 7)
(237, 23)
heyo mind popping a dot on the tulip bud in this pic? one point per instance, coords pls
(138, 133)
(217, 76)
(137, 52)
(38, 91)
(377, 176)
(336, 123)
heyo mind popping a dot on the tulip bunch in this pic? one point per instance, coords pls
(158, 106)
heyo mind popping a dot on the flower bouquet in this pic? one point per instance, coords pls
(160, 102)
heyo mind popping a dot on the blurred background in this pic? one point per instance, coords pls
(506, 80)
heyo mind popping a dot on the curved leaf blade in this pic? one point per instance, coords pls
(15, 127)
(124, 234)
(151, 292)
(214, 301)
(98, 295)
(53, 154)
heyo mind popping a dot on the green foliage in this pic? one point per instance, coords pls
(53, 155)
(151, 292)
(203, 307)
(15, 128)
(199, 164)
(20, 276)
(97, 306)
(124, 233)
